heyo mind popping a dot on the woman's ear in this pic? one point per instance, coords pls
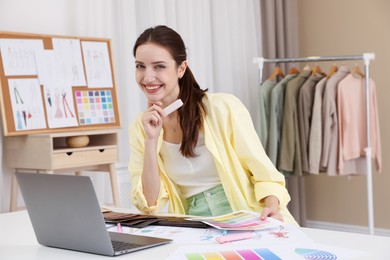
(182, 68)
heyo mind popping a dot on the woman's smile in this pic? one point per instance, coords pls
(153, 88)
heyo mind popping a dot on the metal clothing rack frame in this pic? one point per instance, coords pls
(367, 57)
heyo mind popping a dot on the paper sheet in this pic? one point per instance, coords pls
(239, 220)
(291, 252)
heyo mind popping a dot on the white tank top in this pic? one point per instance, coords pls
(192, 175)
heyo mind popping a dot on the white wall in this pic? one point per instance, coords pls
(221, 37)
(77, 18)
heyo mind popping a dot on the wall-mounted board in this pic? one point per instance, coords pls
(55, 83)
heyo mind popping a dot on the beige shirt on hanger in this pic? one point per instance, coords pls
(329, 154)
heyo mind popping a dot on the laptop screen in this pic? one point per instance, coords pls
(65, 213)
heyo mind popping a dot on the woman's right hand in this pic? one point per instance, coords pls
(152, 119)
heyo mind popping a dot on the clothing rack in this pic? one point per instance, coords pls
(367, 57)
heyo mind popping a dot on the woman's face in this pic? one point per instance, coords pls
(157, 73)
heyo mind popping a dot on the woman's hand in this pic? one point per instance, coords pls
(271, 208)
(152, 119)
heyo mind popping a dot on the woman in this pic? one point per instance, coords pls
(205, 158)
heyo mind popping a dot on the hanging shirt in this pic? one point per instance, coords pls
(276, 118)
(351, 101)
(264, 103)
(330, 142)
(305, 105)
(315, 135)
(290, 151)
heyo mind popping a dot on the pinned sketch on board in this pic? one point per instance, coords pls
(46, 64)
(70, 61)
(57, 89)
(60, 107)
(18, 56)
(27, 106)
(64, 63)
(97, 64)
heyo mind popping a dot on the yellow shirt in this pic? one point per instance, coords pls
(246, 172)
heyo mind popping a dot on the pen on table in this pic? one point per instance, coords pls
(119, 228)
(235, 237)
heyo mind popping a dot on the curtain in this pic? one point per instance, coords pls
(279, 21)
(222, 38)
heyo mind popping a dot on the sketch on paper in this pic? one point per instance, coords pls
(97, 64)
(69, 60)
(18, 56)
(47, 66)
(60, 108)
(27, 105)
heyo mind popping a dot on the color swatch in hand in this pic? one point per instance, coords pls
(239, 220)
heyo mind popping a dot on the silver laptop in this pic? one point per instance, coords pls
(65, 213)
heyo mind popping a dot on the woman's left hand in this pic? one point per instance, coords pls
(272, 213)
(271, 208)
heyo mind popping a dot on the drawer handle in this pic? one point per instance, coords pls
(101, 150)
(69, 153)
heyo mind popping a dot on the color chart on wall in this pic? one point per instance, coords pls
(95, 107)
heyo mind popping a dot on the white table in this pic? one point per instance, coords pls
(17, 241)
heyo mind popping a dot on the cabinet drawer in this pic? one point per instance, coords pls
(84, 158)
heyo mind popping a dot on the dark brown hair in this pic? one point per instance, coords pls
(192, 111)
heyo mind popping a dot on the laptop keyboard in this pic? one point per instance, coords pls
(121, 246)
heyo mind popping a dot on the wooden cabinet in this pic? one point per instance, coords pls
(49, 153)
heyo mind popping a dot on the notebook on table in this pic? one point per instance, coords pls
(65, 213)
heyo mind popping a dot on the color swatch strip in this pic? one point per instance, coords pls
(236, 220)
(246, 254)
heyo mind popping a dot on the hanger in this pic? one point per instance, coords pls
(306, 68)
(316, 70)
(275, 73)
(293, 70)
(356, 71)
(332, 70)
